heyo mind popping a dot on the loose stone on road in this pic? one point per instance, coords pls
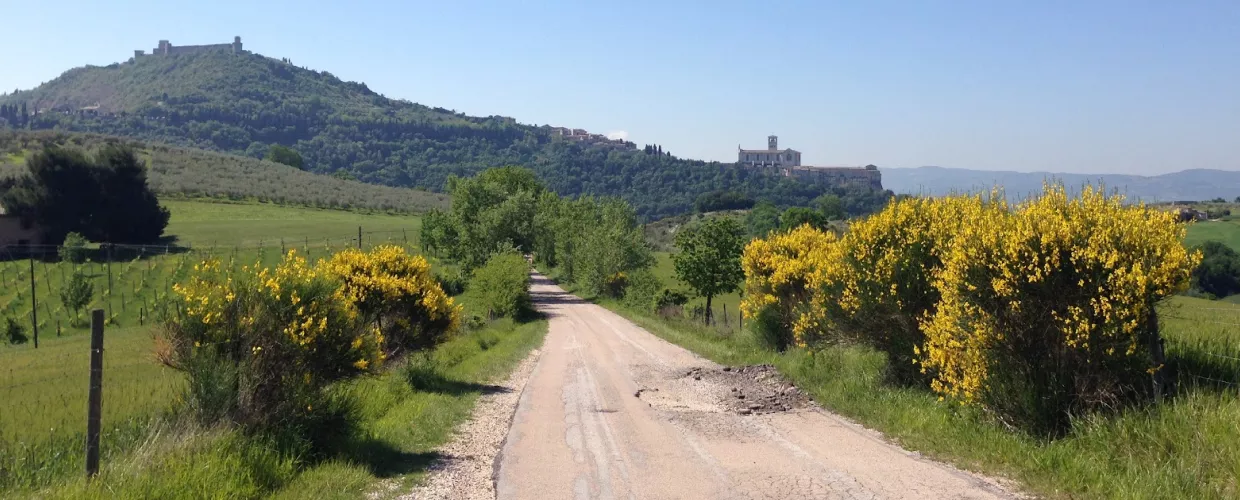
(611, 411)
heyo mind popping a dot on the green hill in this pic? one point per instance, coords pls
(194, 173)
(242, 103)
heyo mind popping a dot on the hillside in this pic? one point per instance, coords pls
(1195, 184)
(241, 103)
(177, 171)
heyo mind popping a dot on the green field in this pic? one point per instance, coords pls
(43, 391)
(200, 224)
(1226, 231)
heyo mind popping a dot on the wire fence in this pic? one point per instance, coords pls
(45, 347)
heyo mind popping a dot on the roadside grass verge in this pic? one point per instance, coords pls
(1186, 448)
(399, 418)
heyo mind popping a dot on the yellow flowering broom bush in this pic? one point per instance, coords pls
(780, 273)
(1049, 311)
(879, 283)
(397, 293)
(1032, 313)
(260, 344)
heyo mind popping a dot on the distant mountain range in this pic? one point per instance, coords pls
(1187, 185)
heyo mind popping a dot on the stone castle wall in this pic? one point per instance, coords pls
(165, 48)
(864, 176)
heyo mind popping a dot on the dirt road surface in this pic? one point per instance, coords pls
(611, 411)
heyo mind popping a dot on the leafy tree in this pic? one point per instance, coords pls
(709, 260)
(830, 206)
(77, 293)
(105, 199)
(73, 249)
(798, 216)
(608, 241)
(130, 212)
(1219, 271)
(491, 211)
(504, 284)
(284, 155)
(715, 201)
(762, 219)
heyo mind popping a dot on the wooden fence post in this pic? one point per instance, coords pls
(34, 304)
(94, 409)
(1159, 377)
(359, 237)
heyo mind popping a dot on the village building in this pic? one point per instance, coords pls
(772, 156)
(16, 235)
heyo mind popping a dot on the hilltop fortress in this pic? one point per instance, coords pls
(166, 48)
(787, 162)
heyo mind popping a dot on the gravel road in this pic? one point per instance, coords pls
(611, 411)
(467, 469)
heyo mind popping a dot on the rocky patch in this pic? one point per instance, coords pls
(753, 390)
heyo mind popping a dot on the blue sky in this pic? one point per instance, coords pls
(1102, 86)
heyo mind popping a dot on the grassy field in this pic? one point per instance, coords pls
(1186, 448)
(200, 224)
(42, 391)
(1226, 231)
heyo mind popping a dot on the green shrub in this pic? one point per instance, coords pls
(770, 329)
(73, 249)
(77, 293)
(615, 285)
(452, 282)
(643, 290)
(211, 392)
(15, 332)
(1219, 271)
(671, 298)
(504, 284)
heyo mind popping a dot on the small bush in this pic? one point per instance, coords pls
(504, 284)
(671, 297)
(211, 393)
(15, 332)
(1219, 272)
(73, 249)
(615, 285)
(452, 282)
(77, 293)
(643, 290)
(770, 330)
(671, 303)
(288, 331)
